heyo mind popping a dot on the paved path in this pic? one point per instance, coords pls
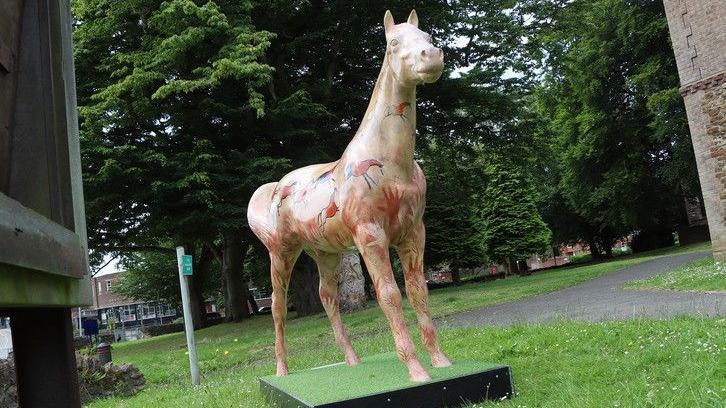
(602, 298)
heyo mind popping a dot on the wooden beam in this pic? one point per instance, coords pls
(32, 241)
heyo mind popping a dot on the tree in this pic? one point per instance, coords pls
(624, 162)
(326, 56)
(188, 106)
(453, 179)
(151, 277)
(304, 287)
(170, 95)
(510, 226)
(154, 277)
(351, 283)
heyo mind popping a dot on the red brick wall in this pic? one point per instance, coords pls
(104, 298)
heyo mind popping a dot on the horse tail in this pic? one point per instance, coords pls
(262, 220)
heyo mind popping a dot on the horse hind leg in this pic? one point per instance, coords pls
(281, 264)
(328, 270)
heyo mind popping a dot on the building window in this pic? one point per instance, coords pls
(108, 286)
(147, 311)
(165, 311)
(128, 313)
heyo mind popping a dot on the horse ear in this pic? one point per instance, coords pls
(388, 21)
(413, 18)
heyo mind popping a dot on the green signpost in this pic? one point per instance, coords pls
(185, 273)
(187, 265)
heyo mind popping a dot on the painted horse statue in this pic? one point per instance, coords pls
(373, 198)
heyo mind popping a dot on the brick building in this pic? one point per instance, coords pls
(125, 312)
(698, 34)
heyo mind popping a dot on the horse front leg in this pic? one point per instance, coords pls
(280, 272)
(411, 255)
(328, 271)
(372, 243)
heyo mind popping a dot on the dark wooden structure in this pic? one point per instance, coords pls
(43, 249)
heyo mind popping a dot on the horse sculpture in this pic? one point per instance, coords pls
(372, 198)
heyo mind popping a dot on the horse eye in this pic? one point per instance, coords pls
(394, 42)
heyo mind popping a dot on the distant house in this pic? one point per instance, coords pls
(564, 253)
(109, 306)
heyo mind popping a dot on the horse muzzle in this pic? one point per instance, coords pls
(431, 64)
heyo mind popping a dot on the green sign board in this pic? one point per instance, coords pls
(186, 265)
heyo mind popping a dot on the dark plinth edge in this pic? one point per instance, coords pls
(493, 384)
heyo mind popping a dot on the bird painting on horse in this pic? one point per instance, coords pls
(327, 209)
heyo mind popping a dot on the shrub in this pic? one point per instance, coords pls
(160, 329)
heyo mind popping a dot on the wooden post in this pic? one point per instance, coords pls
(188, 324)
(44, 357)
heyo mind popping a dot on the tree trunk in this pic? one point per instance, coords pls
(196, 286)
(523, 268)
(304, 287)
(592, 243)
(607, 242)
(455, 275)
(510, 268)
(608, 251)
(235, 300)
(351, 283)
(368, 283)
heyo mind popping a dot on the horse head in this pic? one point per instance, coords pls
(410, 53)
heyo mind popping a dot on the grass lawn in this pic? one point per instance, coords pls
(705, 275)
(566, 364)
(636, 363)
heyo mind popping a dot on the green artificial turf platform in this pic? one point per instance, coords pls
(382, 381)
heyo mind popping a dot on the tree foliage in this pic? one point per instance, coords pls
(618, 130)
(509, 224)
(154, 277)
(565, 111)
(169, 95)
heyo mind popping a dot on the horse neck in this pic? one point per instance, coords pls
(384, 134)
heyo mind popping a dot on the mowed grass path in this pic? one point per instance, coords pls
(233, 356)
(705, 275)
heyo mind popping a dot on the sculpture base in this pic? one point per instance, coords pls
(382, 381)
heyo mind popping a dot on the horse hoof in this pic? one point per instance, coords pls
(282, 370)
(419, 376)
(440, 361)
(352, 361)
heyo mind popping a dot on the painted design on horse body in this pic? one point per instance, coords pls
(398, 109)
(283, 193)
(329, 211)
(302, 194)
(327, 176)
(360, 168)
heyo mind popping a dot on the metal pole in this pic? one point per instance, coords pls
(188, 324)
(80, 326)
